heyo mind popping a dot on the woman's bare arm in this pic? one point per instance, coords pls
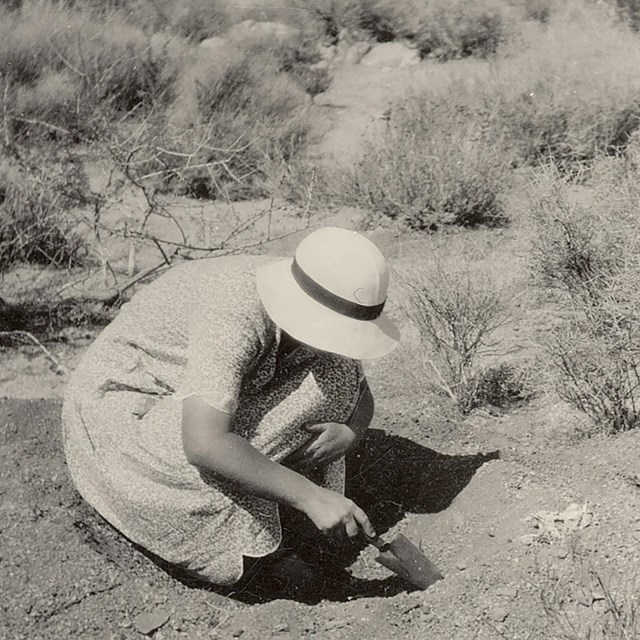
(210, 444)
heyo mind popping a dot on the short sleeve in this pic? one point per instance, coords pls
(221, 350)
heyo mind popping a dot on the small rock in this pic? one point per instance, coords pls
(461, 565)
(356, 52)
(391, 54)
(214, 44)
(147, 623)
(252, 29)
(164, 44)
(498, 614)
(319, 66)
(601, 607)
(509, 591)
(328, 53)
(213, 50)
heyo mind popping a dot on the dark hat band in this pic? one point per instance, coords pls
(331, 300)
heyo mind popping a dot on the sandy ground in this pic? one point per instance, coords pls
(488, 498)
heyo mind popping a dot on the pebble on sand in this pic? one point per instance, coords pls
(146, 623)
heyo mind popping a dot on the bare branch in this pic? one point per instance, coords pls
(60, 368)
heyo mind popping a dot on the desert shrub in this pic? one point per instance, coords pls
(556, 96)
(52, 99)
(52, 57)
(198, 19)
(233, 120)
(440, 29)
(36, 222)
(433, 165)
(589, 253)
(457, 309)
(327, 18)
(382, 20)
(459, 29)
(297, 57)
(192, 19)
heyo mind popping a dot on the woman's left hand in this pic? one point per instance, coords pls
(330, 441)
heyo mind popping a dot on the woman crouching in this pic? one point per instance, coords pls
(225, 388)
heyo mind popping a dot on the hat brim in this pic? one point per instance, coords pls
(314, 324)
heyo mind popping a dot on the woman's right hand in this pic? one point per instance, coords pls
(331, 512)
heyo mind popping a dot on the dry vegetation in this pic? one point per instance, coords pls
(458, 309)
(589, 253)
(130, 83)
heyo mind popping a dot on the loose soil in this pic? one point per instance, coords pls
(466, 490)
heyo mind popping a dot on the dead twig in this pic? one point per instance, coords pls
(59, 367)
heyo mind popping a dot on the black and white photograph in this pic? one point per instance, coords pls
(320, 319)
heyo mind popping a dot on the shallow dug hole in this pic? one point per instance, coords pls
(66, 572)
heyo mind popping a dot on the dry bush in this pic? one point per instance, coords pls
(457, 309)
(328, 18)
(569, 91)
(439, 28)
(383, 20)
(506, 385)
(461, 28)
(589, 253)
(433, 165)
(37, 224)
(77, 72)
(233, 120)
(192, 19)
(61, 66)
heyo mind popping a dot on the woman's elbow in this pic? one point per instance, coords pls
(193, 447)
(202, 430)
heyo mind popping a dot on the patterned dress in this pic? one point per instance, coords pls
(198, 329)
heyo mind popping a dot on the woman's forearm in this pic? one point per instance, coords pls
(232, 458)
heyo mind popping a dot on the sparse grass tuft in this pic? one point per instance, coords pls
(505, 386)
(582, 601)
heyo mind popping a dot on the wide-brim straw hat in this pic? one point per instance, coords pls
(331, 295)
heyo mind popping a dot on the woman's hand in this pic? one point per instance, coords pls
(330, 441)
(332, 513)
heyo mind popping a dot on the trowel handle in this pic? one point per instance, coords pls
(376, 541)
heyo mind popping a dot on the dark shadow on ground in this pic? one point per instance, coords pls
(388, 476)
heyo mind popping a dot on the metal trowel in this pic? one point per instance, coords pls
(407, 561)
